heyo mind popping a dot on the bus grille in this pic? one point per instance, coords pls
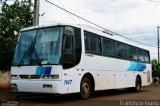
(30, 76)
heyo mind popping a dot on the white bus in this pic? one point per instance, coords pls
(65, 58)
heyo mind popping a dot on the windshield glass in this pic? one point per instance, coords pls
(42, 46)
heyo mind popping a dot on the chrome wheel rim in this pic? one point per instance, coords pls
(85, 88)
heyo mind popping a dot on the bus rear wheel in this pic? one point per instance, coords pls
(85, 88)
(138, 84)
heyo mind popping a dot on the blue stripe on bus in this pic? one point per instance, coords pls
(136, 66)
(43, 70)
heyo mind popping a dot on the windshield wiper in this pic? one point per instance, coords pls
(30, 52)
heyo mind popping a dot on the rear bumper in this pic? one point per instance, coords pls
(39, 86)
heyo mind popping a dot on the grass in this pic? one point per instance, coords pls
(5, 77)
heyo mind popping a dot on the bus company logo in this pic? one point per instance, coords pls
(67, 82)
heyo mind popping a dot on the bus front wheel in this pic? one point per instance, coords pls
(85, 88)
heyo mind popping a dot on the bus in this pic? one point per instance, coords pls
(66, 58)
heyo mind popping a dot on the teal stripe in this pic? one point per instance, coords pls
(136, 66)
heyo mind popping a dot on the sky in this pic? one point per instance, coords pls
(135, 19)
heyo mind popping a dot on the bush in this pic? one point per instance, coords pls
(155, 68)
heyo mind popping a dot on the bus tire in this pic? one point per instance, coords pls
(138, 84)
(85, 88)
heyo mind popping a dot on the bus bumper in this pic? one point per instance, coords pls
(52, 87)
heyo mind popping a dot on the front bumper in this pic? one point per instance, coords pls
(37, 86)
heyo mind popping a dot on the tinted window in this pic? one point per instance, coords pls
(92, 43)
(109, 47)
(146, 56)
(89, 42)
(97, 42)
(121, 50)
(78, 47)
(140, 55)
(132, 52)
(72, 47)
(143, 55)
(114, 48)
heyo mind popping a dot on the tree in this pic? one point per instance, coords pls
(12, 19)
(155, 68)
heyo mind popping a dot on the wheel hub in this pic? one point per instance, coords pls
(85, 88)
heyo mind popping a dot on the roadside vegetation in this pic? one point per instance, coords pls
(155, 68)
(156, 71)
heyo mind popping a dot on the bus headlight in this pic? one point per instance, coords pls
(14, 77)
(56, 76)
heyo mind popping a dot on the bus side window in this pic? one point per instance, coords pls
(97, 42)
(121, 50)
(132, 53)
(68, 52)
(146, 56)
(109, 47)
(92, 43)
(87, 42)
(140, 55)
(68, 47)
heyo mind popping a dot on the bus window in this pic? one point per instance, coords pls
(109, 47)
(68, 52)
(78, 45)
(89, 42)
(72, 47)
(97, 43)
(121, 50)
(92, 43)
(132, 53)
(146, 56)
(140, 55)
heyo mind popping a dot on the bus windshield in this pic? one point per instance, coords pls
(39, 46)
